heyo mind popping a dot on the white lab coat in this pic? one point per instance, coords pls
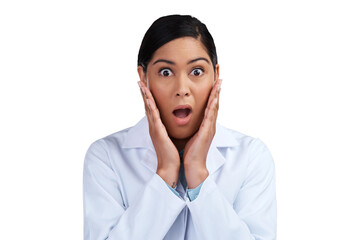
(124, 198)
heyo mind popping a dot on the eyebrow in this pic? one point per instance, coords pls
(198, 59)
(165, 61)
(189, 62)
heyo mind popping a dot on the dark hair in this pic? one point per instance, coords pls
(168, 28)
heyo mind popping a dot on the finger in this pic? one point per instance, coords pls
(209, 122)
(147, 92)
(214, 94)
(150, 103)
(214, 110)
(143, 94)
(218, 92)
(211, 112)
(155, 113)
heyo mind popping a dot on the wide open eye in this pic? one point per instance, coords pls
(197, 72)
(165, 72)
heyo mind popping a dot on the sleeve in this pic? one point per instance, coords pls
(191, 193)
(106, 215)
(173, 190)
(253, 214)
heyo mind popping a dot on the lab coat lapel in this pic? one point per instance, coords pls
(214, 159)
(138, 137)
(222, 139)
(150, 160)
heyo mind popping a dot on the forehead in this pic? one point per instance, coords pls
(181, 50)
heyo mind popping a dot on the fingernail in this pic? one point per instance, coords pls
(139, 83)
(148, 103)
(143, 91)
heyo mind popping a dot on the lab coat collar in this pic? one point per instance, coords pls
(138, 137)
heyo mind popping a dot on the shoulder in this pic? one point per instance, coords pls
(253, 149)
(113, 140)
(100, 148)
(241, 140)
(116, 139)
(132, 137)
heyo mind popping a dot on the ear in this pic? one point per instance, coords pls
(216, 77)
(142, 74)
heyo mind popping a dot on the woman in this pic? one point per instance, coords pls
(178, 174)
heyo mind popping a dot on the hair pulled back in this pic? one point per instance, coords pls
(168, 28)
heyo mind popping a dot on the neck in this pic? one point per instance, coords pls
(179, 143)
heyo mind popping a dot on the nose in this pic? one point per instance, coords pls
(182, 88)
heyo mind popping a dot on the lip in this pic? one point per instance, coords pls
(182, 121)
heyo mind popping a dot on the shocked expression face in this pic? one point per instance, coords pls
(180, 76)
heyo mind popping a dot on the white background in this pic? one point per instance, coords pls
(68, 76)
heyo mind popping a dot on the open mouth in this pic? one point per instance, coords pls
(182, 114)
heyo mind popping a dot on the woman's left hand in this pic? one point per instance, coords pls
(196, 149)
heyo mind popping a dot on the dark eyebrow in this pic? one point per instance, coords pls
(189, 62)
(165, 61)
(198, 59)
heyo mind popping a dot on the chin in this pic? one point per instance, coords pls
(183, 132)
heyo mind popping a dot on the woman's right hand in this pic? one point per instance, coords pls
(167, 155)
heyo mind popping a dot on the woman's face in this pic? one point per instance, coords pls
(180, 76)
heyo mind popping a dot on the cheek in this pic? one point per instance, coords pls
(161, 97)
(202, 95)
